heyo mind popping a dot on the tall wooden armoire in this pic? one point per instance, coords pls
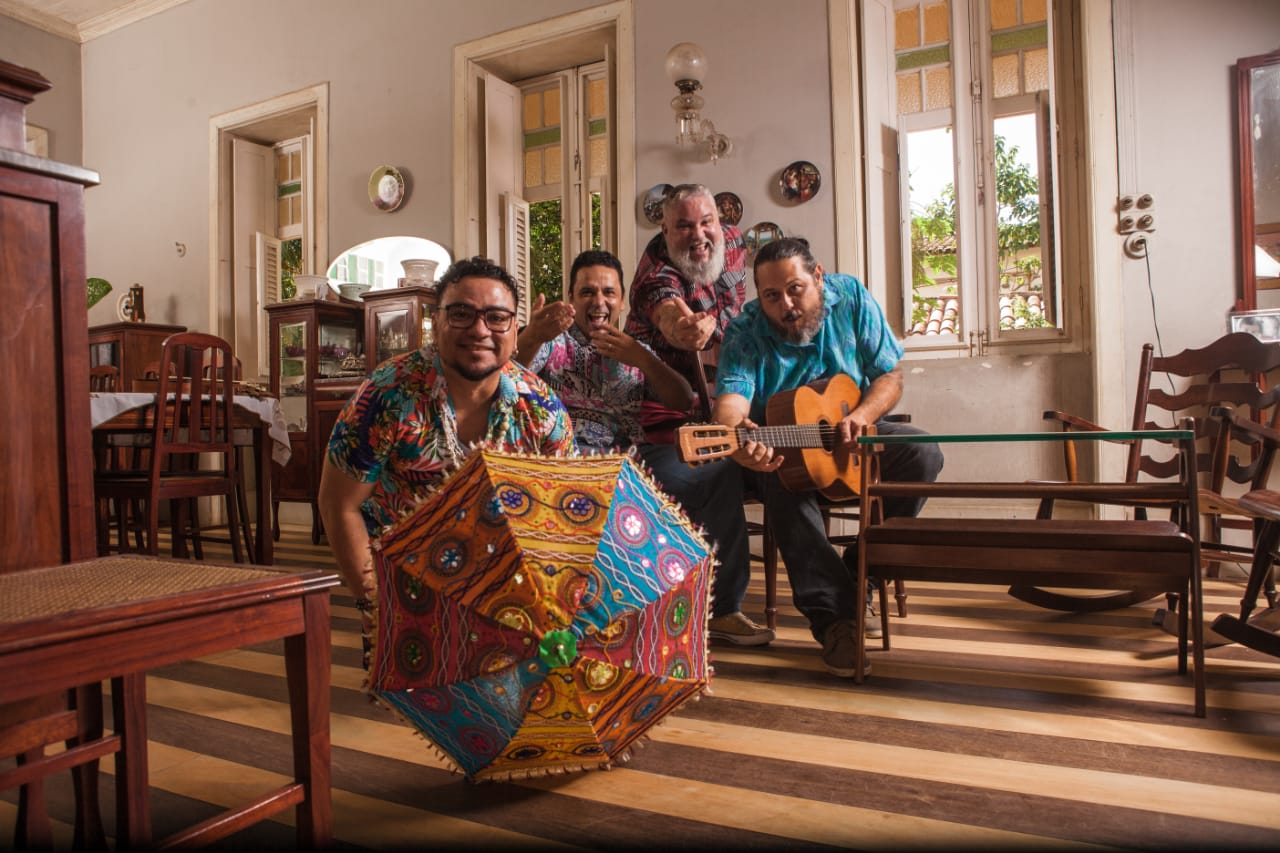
(46, 465)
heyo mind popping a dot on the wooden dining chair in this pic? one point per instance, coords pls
(192, 420)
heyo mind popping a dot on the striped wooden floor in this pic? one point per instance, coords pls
(990, 724)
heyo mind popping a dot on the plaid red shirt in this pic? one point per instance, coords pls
(658, 280)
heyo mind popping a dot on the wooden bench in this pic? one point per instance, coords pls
(1097, 554)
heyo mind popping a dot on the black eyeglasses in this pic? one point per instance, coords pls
(460, 315)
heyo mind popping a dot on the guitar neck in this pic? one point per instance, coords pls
(789, 435)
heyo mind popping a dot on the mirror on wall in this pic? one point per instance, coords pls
(378, 262)
(1258, 90)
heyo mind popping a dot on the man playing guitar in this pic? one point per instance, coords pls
(807, 326)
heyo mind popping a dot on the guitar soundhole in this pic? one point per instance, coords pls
(827, 435)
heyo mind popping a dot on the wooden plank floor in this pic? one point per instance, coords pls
(990, 723)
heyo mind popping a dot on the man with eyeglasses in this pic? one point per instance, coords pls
(602, 375)
(418, 414)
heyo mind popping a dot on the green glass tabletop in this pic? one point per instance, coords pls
(960, 438)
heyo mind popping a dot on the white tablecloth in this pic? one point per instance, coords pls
(105, 406)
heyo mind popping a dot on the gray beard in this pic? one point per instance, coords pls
(707, 271)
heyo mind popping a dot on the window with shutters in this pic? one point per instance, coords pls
(565, 126)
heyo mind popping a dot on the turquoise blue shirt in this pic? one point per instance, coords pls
(854, 339)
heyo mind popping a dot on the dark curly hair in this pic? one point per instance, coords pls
(783, 248)
(596, 258)
(476, 267)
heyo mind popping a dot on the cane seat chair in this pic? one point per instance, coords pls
(192, 419)
(1216, 385)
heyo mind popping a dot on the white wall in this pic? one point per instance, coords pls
(768, 89)
(58, 60)
(1179, 144)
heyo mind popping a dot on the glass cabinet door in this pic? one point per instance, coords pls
(393, 333)
(293, 375)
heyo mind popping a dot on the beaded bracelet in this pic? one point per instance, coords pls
(365, 605)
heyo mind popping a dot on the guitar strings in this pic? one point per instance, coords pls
(790, 435)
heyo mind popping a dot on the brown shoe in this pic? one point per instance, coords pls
(736, 628)
(840, 650)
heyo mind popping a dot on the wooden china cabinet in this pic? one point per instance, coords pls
(46, 493)
(317, 362)
(397, 320)
(130, 347)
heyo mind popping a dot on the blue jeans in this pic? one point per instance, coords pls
(711, 495)
(822, 586)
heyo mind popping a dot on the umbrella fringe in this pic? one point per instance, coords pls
(450, 765)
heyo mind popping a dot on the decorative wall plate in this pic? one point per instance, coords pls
(730, 207)
(800, 181)
(386, 188)
(652, 203)
(761, 234)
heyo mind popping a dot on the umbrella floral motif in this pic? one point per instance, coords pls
(538, 615)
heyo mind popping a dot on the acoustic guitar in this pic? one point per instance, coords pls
(803, 424)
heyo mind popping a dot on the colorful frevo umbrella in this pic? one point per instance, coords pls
(540, 614)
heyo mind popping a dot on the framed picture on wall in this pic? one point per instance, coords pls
(1263, 324)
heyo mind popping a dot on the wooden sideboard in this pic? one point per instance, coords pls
(130, 347)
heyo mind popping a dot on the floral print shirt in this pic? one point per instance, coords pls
(399, 430)
(602, 395)
(658, 280)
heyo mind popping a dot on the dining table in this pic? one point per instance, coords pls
(258, 423)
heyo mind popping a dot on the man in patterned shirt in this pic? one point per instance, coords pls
(690, 282)
(602, 375)
(807, 326)
(415, 417)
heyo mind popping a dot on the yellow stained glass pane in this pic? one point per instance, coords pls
(532, 111)
(295, 209)
(937, 23)
(937, 86)
(551, 164)
(906, 28)
(533, 168)
(1033, 11)
(282, 168)
(282, 212)
(909, 100)
(1004, 75)
(551, 108)
(295, 165)
(596, 103)
(1036, 69)
(598, 157)
(1004, 14)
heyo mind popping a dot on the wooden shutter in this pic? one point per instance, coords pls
(268, 280)
(515, 250)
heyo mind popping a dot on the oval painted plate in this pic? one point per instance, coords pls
(652, 203)
(730, 207)
(760, 235)
(800, 181)
(386, 188)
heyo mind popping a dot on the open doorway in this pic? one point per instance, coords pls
(269, 190)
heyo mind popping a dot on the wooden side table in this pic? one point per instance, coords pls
(76, 625)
